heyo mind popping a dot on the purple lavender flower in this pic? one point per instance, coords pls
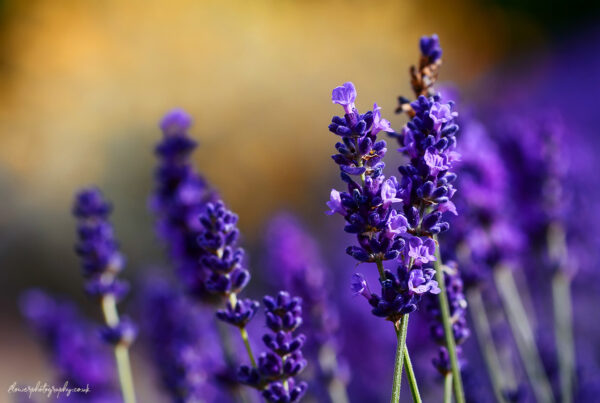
(182, 344)
(179, 198)
(276, 369)
(97, 247)
(366, 206)
(295, 264)
(221, 258)
(73, 344)
(344, 95)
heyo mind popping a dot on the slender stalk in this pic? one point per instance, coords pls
(523, 334)
(563, 322)
(448, 388)
(486, 343)
(401, 328)
(561, 295)
(410, 375)
(111, 317)
(244, 334)
(449, 335)
(243, 331)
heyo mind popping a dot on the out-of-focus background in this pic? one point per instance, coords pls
(84, 83)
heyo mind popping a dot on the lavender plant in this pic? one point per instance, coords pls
(429, 141)
(101, 262)
(178, 199)
(383, 232)
(295, 264)
(275, 371)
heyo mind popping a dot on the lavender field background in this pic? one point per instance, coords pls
(84, 84)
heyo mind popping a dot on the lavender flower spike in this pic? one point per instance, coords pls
(295, 264)
(426, 188)
(178, 199)
(101, 262)
(276, 369)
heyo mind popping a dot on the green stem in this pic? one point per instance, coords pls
(410, 375)
(561, 295)
(111, 317)
(523, 334)
(448, 388)
(448, 333)
(401, 328)
(244, 334)
(486, 343)
(243, 331)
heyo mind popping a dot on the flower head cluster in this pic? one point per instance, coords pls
(383, 233)
(181, 343)
(428, 139)
(458, 309)
(179, 197)
(367, 203)
(223, 261)
(97, 247)
(73, 345)
(277, 367)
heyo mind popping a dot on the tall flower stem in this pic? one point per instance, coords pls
(448, 388)
(111, 317)
(244, 334)
(445, 310)
(523, 334)
(401, 329)
(410, 374)
(486, 343)
(563, 322)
